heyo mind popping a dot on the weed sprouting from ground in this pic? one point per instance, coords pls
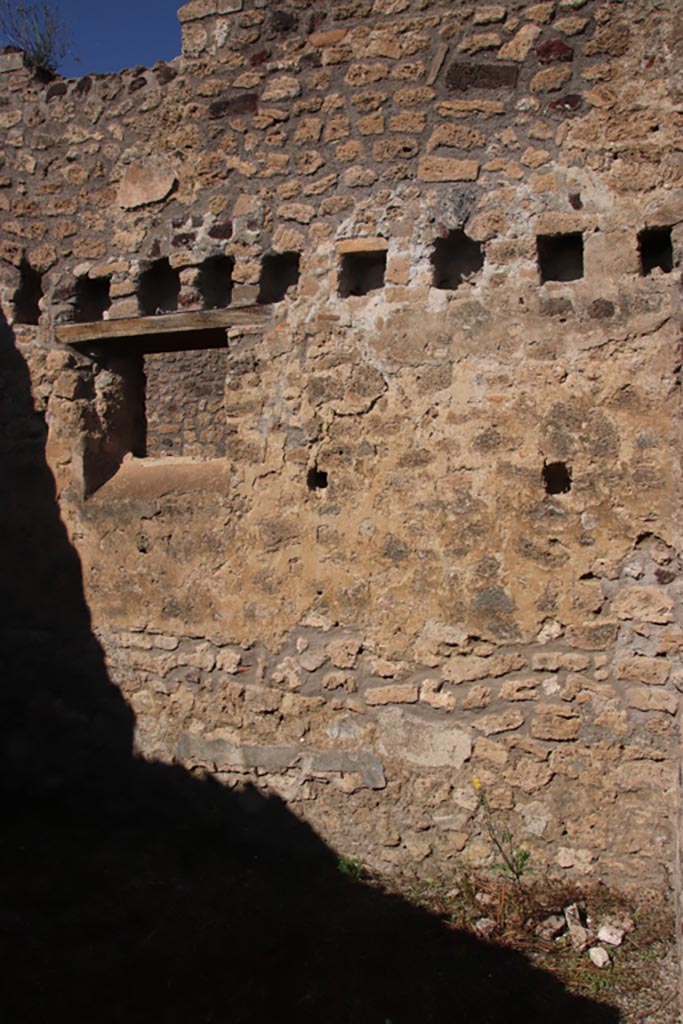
(515, 858)
(352, 868)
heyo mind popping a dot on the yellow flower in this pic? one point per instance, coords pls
(476, 783)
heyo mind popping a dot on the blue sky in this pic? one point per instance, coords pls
(108, 35)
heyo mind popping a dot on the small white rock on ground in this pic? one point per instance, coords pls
(599, 956)
(610, 934)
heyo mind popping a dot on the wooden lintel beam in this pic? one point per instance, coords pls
(165, 323)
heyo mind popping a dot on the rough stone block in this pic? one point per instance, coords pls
(11, 62)
(394, 693)
(489, 750)
(350, 151)
(477, 696)
(405, 736)
(461, 669)
(371, 124)
(486, 15)
(519, 689)
(571, 25)
(456, 136)
(468, 108)
(299, 212)
(554, 722)
(431, 693)
(518, 47)
(653, 671)
(283, 87)
(646, 604)
(644, 699)
(225, 755)
(413, 96)
(505, 721)
(550, 79)
(10, 118)
(197, 9)
(314, 655)
(368, 766)
(529, 775)
(365, 74)
(329, 38)
(398, 148)
(146, 183)
(344, 653)
(481, 41)
(540, 13)
(438, 168)
(373, 244)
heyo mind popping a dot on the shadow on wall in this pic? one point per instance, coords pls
(134, 892)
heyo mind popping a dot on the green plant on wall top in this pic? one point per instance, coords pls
(514, 858)
(38, 30)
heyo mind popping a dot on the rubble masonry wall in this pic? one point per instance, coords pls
(403, 539)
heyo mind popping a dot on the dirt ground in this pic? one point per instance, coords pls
(171, 900)
(641, 978)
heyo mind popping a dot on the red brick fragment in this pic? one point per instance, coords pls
(553, 51)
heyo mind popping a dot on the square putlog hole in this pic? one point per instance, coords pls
(158, 289)
(279, 273)
(655, 250)
(560, 257)
(362, 272)
(214, 282)
(455, 258)
(557, 477)
(28, 295)
(92, 299)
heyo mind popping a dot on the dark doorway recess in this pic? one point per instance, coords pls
(158, 289)
(557, 478)
(655, 250)
(560, 257)
(214, 282)
(316, 479)
(92, 299)
(455, 258)
(28, 295)
(279, 272)
(362, 272)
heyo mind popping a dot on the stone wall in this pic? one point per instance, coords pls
(184, 403)
(441, 541)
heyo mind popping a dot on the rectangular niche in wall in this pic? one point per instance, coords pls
(560, 257)
(655, 249)
(156, 397)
